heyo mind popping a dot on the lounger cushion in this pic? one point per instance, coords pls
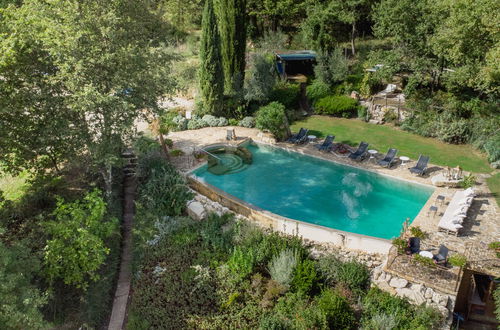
(458, 219)
(469, 192)
(461, 210)
(466, 201)
(457, 226)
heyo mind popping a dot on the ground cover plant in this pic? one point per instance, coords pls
(227, 273)
(381, 138)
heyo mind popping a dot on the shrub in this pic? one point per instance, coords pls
(180, 122)
(468, 181)
(272, 118)
(355, 275)
(400, 244)
(327, 267)
(424, 261)
(317, 90)
(282, 266)
(210, 120)
(286, 94)
(337, 105)
(452, 129)
(336, 309)
(176, 153)
(234, 122)
(496, 297)
(458, 260)
(261, 78)
(77, 246)
(222, 122)
(416, 231)
(407, 316)
(196, 123)
(242, 262)
(362, 112)
(248, 122)
(380, 322)
(305, 277)
(145, 145)
(492, 148)
(164, 190)
(331, 68)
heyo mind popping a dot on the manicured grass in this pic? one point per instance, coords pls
(494, 185)
(13, 187)
(382, 137)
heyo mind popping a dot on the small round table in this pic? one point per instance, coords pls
(426, 254)
(372, 153)
(404, 160)
(311, 138)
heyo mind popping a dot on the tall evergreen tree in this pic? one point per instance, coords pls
(232, 27)
(211, 76)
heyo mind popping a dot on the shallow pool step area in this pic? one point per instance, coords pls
(227, 163)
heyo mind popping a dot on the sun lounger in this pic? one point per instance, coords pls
(360, 153)
(413, 245)
(421, 165)
(389, 158)
(299, 135)
(442, 256)
(327, 143)
(456, 212)
(303, 138)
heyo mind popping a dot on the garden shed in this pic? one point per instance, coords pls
(291, 65)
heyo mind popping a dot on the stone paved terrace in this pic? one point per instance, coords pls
(481, 227)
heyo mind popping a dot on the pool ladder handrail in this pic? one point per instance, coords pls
(211, 154)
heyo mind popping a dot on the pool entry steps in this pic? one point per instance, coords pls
(224, 159)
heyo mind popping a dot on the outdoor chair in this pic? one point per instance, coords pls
(231, 135)
(297, 136)
(327, 143)
(442, 256)
(389, 158)
(413, 245)
(360, 153)
(421, 166)
(303, 138)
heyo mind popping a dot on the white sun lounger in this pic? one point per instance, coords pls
(456, 212)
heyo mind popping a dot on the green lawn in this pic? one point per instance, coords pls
(382, 137)
(494, 185)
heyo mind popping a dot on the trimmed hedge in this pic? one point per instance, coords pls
(337, 106)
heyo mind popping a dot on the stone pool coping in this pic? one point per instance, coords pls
(318, 233)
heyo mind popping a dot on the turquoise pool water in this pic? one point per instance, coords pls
(321, 192)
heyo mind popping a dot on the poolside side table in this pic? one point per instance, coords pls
(433, 209)
(440, 199)
(404, 160)
(372, 153)
(311, 138)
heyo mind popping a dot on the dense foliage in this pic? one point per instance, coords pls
(337, 105)
(272, 118)
(223, 273)
(76, 247)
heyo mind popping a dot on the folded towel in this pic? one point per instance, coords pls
(458, 219)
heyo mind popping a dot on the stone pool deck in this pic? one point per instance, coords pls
(481, 227)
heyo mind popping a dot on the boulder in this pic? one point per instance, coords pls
(196, 211)
(428, 293)
(398, 282)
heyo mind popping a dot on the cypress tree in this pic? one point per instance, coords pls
(233, 32)
(211, 76)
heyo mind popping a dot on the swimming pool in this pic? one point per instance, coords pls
(324, 193)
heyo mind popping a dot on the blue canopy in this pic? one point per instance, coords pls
(297, 56)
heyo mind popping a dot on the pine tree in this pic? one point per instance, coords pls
(211, 76)
(232, 26)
